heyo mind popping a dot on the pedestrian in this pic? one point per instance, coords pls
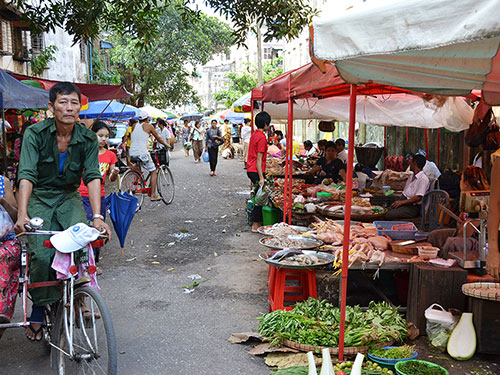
(107, 166)
(168, 137)
(213, 139)
(126, 139)
(10, 256)
(235, 133)
(185, 137)
(197, 141)
(340, 147)
(256, 163)
(56, 154)
(139, 149)
(246, 133)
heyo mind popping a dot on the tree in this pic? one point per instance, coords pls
(85, 19)
(158, 73)
(242, 81)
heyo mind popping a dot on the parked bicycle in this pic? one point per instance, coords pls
(78, 330)
(134, 182)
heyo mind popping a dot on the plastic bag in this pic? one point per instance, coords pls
(439, 325)
(6, 223)
(205, 156)
(261, 197)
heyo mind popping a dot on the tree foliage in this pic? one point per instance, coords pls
(244, 80)
(158, 73)
(40, 63)
(85, 19)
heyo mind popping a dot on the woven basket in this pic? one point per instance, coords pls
(349, 350)
(489, 291)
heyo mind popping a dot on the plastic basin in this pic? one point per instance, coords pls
(390, 363)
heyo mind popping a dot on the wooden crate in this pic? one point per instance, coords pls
(430, 284)
(486, 315)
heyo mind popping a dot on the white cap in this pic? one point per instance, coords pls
(142, 116)
(74, 238)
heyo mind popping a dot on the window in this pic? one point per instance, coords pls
(228, 56)
(83, 52)
(36, 44)
(5, 37)
(22, 44)
(268, 53)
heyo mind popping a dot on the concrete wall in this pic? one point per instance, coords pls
(68, 65)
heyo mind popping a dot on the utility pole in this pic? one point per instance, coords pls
(259, 56)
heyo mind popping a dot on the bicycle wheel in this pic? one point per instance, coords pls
(94, 345)
(166, 187)
(130, 182)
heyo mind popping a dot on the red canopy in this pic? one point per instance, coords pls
(309, 81)
(93, 92)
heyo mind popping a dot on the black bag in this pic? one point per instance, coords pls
(449, 181)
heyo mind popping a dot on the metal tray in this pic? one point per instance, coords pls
(307, 242)
(264, 229)
(329, 258)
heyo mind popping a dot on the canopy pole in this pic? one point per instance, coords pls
(426, 145)
(438, 145)
(103, 110)
(385, 143)
(347, 217)
(289, 158)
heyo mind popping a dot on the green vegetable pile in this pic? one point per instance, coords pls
(370, 368)
(419, 368)
(316, 322)
(400, 352)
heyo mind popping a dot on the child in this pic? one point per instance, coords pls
(107, 161)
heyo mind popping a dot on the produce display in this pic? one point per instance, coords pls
(343, 368)
(365, 244)
(316, 322)
(397, 352)
(415, 367)
(279, 229)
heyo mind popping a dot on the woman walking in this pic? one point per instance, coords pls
(197, 141)
(213, 140)
(185, 137)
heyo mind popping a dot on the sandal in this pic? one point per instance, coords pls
(154, 199)
(35, 332)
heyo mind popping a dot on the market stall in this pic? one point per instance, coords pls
(426, 48)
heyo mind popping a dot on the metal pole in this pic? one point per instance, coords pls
(347, 217)
(4, 137)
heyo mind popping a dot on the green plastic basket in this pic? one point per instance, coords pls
(430, 364)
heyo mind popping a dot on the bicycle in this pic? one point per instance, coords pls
(79, 342)
(133, 181)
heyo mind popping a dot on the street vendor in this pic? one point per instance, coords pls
(415, 188)
(329, 166)
(56, 154)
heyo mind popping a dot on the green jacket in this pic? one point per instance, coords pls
(39, 162)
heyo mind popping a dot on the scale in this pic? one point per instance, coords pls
(473, 202)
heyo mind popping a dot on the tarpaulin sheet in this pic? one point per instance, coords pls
(434, 46)
(19, 95)
(93, 92)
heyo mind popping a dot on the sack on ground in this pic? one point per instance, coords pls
(439, 325)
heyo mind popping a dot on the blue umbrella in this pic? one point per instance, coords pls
(121, 208)
(106, 110)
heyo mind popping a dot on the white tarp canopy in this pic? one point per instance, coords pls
(440, 46)
(391, 110)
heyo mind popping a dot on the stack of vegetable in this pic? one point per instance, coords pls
(396, 352)
(316, 322)
(343, 368)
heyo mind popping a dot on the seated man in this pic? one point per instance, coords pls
(415, 188)
(329, 166)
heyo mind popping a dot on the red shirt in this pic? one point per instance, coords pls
(258, 143)
(106, 160)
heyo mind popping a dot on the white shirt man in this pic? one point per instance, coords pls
(246, 133)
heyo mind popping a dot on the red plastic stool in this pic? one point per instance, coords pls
(279, 292)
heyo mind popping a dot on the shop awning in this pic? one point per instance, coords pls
(436, 47)
(21, 96)
(93, 92)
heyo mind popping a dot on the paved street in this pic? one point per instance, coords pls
(159, 329)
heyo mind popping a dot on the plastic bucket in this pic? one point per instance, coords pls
(271, 215)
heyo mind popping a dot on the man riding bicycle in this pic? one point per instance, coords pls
(56, 154)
